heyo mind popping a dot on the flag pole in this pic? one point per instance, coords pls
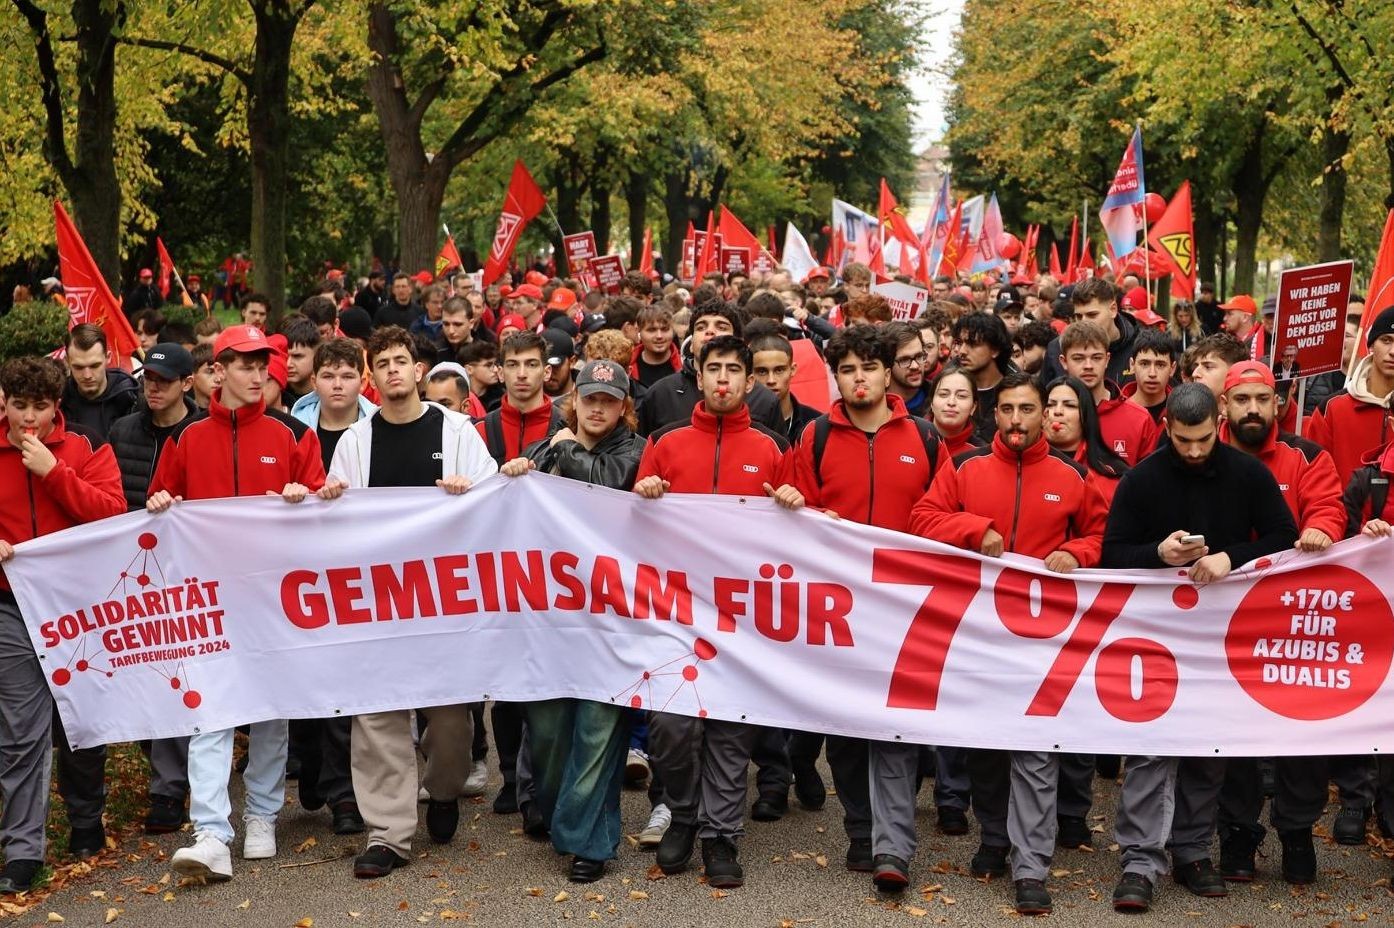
(1146, 252)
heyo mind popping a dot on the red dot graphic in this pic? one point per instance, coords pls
(646, 675)
(704, 649)
(143, 579)
(192, 699)
(636, 700)
(1185, 597)
(701, 713)
(174, 683)
(82, 666)
(689, 673)
(1263, 563)
(108, 673)
(148, 541)
(62, 676)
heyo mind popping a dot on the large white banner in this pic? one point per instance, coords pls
(229, 611)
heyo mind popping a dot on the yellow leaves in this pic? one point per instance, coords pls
(168, 896)
(638, 895)
(719, 894)
(111, 916)
(533, 890)
(561, 896)
(306, 922)
(54, 918)
(245, 904)
(914, 910)
(305, 845)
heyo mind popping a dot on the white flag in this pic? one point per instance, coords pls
(797, 257)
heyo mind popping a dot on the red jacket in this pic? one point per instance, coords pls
(873, 480)
(238, 452)
(1039, 501)
(1127, 427)
(674, 359)
(963, 441)
(519, 429)
(1353, 424)
(84, 486)
(1130, 390)
(717, 454)
(1107, 485)
(1307, 476)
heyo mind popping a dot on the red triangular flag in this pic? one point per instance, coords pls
(1174, 236)
(1071, 260)
(449, 257)
(521, 204)
(707, 257)
(734, 234)
(1055, 271)
(948, 261)
(1086, 261)
(167, 269)
(646, 255)
(88, 296)
(1380, 296)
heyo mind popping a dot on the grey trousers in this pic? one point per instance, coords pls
(951, 786)
(1031, 815)
(892, 770)
(1167, 803)
(703, 764)
(169, 767)
(1198, 784)
(29, 730)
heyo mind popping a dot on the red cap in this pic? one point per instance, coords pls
(1136, 299)
(818, 273)
(243, 338)
(276, 368)
(562, 298)
(528, 291)
(334, 274)
(512, 320)
(146, 272)
(1148, 317)
(1243, 303)
(195, 279)
(536, 278)
(424, 278)
(1249, 372)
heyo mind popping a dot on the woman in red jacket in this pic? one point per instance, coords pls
(953, 398)
(1072, 426)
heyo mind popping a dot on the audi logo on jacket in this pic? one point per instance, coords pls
(717, 454)
(1039, 501)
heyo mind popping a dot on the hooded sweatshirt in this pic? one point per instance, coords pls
(1354, 423)
(120, 398)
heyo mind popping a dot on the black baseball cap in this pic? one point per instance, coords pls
(560, 347)
(170, 361)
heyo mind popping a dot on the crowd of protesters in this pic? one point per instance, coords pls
(1162, 442)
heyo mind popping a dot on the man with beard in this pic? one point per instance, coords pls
(911, 365)
(1307, 477)
(1194, 485)
(983, 350)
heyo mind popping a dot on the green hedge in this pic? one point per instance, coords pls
(36, 328)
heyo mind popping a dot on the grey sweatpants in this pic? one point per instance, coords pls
(703, 764)
(892, 769)
(1167, 803)
(1031, 814)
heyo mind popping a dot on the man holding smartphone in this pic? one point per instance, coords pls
(1202, 504)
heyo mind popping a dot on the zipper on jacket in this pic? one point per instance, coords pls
(522, 433)
(716, 461)
(33, 511)
(871, 461)
(236, 484)
(1016, 506)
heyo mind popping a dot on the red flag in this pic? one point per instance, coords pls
(1070, 259)
(774, 246)
(707, 257)
(646, 255)
(167, 269)
(686, 266)
(1055, 271)
(521, 206)
(734, 234)
(1380, 296)
(899, 228)
(449, 257)
(836, 246)
(1174, 236)
(967, 254)
(88, 296)
(1029, 267)
(948, 261)
(1086, 261)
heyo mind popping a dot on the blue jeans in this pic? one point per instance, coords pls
(210, 765)
(578, 752)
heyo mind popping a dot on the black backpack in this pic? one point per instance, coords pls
(498, 445)
(823, 426)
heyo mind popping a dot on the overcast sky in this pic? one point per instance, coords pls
(928, 86)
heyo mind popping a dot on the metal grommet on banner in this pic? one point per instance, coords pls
(338, 711)
(1057, 747)
(197, 730)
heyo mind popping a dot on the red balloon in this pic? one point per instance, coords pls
(1008, 246)
(1155, 205)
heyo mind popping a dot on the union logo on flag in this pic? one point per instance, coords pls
(508, 228)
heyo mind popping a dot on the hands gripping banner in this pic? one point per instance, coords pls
(222, 612)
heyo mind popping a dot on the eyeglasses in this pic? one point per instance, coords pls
(913, 360)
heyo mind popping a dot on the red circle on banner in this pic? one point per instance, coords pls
(689, 673)
(174, 683)
(62, 676)
(704, 649)
(1311, 663)
(1185, 597)
(636, 701)
(82, 666)
(192, 699)
(148, 541)
(1113, 679)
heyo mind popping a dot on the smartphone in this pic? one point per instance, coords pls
(1193, 539)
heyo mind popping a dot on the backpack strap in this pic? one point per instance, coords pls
(822, 428)
(931, 442)
(493, 437)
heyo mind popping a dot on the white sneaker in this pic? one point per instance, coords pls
(659, 820)
(208, 859)
(477, 780)
(636, 767)
(260, 840)
(422, 795)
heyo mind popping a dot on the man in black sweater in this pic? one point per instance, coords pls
(1194, 484)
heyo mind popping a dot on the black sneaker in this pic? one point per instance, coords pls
(770, 808)
(1108, 765)
(87, 842)
(442, 818)
(1133, 893)
(1072, 831)
(953, 821)
(347, 819)
(310, 798)
(534, 825)
(1237, 847)
(166, 815)
(1299, 857)
(18, 876)
(809, 788)
(1201, 878)
(378, 860)
(859, 857)
(584, 870)
(675, 850)
(722, 861)
(890, 874)
(1349, 827)
(1032, 898)
(506, 802)
(991, 860)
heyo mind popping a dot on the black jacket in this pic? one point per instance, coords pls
(1120, 354)
(1233, 501)
(118, 399)
(371, 300)
(394, 313)
(137, 450)
(674, 397)
(142, 296)
(613, 463)
(803, 415)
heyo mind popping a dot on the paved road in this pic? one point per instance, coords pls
(493, 875)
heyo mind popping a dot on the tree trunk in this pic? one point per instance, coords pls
(636, 197)
(568, 184)
(93, 186)
(1207, 228)
(679, 212)
(419, 202)
(1250, 190)
(601, 218)
(1334, 145)
(268, 131)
